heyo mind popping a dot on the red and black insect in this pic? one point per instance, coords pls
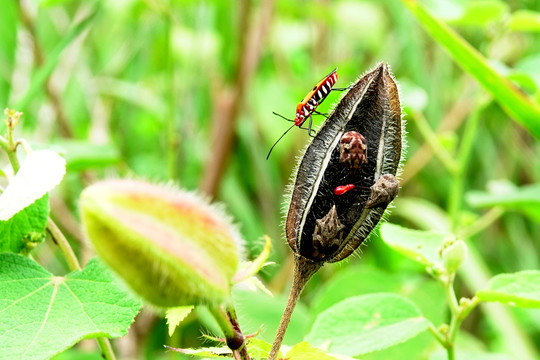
(308, 106)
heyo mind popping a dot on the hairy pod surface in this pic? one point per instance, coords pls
(170, 246)
(359, 144)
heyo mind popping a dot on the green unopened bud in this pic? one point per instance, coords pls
(453, 255)
(170, 246)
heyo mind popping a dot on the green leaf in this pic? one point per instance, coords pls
(481, 13)
(42, 315)
(25, 228)
(176, 315)
(82, 155)
(304, 351)
(470, 355)
(208, 352)
(362, 324)
(259, 349)
(520, 289)
(41, 171)
(515, 102)
(525, 20)
(525, 199)
(421, 246)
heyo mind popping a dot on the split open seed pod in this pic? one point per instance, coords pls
(345, 179)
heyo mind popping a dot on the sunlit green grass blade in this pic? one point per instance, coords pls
(514, 102)
(43, 73)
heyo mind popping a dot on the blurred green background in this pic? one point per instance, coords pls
(185, 90)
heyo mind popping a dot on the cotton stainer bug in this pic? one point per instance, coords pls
(307, 107)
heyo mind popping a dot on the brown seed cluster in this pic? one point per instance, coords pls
(383, 191)
(353, 150)
(328, 234)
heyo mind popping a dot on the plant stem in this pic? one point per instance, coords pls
(438, 336)
(303, 271)
(63, 244)
(10, 147)
(228, 323)
(106, 348)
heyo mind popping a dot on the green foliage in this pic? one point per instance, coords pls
(41, 172)
(421, 246)
(143, 89)
(518, 105)
(519, 289)
(525, 199)
(26, 224)
(42, 315)
(362, 324)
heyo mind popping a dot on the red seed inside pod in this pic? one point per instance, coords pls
(340, 190)
(353, 150)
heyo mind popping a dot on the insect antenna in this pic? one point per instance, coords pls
(272, 148)
(281, 116)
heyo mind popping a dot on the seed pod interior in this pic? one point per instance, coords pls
(372, 110)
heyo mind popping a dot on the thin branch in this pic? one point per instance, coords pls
(229, 102)
(303, 271)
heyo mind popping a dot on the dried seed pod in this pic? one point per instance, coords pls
(370, 108)
(353, 150)
(370, 113)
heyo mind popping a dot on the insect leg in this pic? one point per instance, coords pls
(320, 113)
(309, 126)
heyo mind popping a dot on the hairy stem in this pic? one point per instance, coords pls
(303, 271)
(228, 323)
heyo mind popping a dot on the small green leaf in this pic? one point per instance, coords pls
(41, 171)
(259, 349)
(519, 289)
(82, 155)
(525, 199)
(362, 324)
(209, 352)
(19, 230)
(514, 102)
(420, 246)
(525, 20)
(176, 315)
(42, 315)
(304, 351)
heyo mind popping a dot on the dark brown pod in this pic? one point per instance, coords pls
(371, 109)
(345, 180)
